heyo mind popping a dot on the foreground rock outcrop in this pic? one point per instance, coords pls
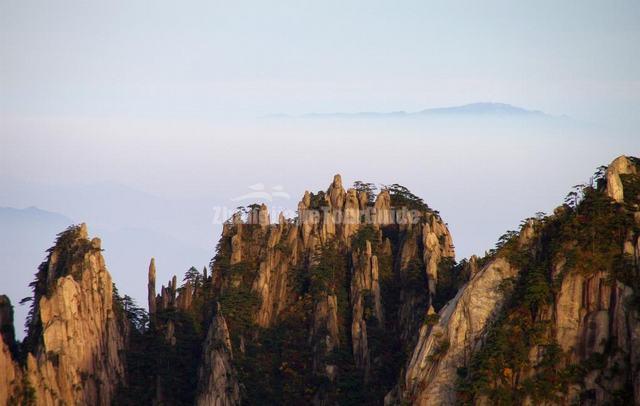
(76, 340)
(551, 318)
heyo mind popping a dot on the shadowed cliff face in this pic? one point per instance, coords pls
(356, 301)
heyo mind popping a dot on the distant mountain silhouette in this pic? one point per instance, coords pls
(483, 108)
(473, 109)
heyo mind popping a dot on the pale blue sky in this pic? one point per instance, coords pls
(245, 58)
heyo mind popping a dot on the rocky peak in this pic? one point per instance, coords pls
(382, 209)
(336, 193)
(76, 337)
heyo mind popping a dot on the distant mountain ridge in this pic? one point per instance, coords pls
(471, 109)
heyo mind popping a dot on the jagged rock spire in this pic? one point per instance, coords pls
(152, 287)
(382, 209)
(336, 193)
(174, 288)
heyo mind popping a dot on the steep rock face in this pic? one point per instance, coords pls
(218, 384)
(591, 317)
(77, 336)
(271, 283)
(442, 348)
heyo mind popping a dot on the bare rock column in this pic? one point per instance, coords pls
(152, 288)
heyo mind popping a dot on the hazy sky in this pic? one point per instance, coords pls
(219, 58)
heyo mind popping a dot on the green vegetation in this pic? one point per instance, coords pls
(318, 200)
(126, 308)
(368, 188)
(402, 197)
(328, 274)
(25, 394)
(152, 361)
(280, 361)
(239, 305)
(364, 234)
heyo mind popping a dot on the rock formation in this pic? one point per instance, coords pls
(337, 260)
(357, 300)
(151, 288)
